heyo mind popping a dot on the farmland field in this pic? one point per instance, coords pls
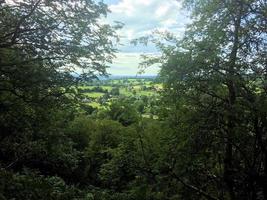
(142, 93)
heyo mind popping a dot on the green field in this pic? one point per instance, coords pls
(141, 93)
(94, 94)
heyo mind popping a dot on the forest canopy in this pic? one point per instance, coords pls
(197, 131)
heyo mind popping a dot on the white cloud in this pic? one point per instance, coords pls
(128, 64)
(130, 34)
(124, 7)
(144, 2)
(162, 10)
(142, 17)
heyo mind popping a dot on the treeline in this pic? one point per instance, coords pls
(210, 138)
(94, 89)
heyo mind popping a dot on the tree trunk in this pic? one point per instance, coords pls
(228, 161)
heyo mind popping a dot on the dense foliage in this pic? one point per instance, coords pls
(203, 136)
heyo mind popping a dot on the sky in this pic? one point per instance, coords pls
(141, 18)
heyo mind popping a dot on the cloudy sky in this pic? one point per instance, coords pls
(141, 17)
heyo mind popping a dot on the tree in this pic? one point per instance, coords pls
(62, 32)
(59, 38)
(215, 95)
(46, 49)
(140, 106)
(123, 112)
(42, 43)
(115, 91)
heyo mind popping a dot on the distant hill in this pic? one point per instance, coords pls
(128, 76)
